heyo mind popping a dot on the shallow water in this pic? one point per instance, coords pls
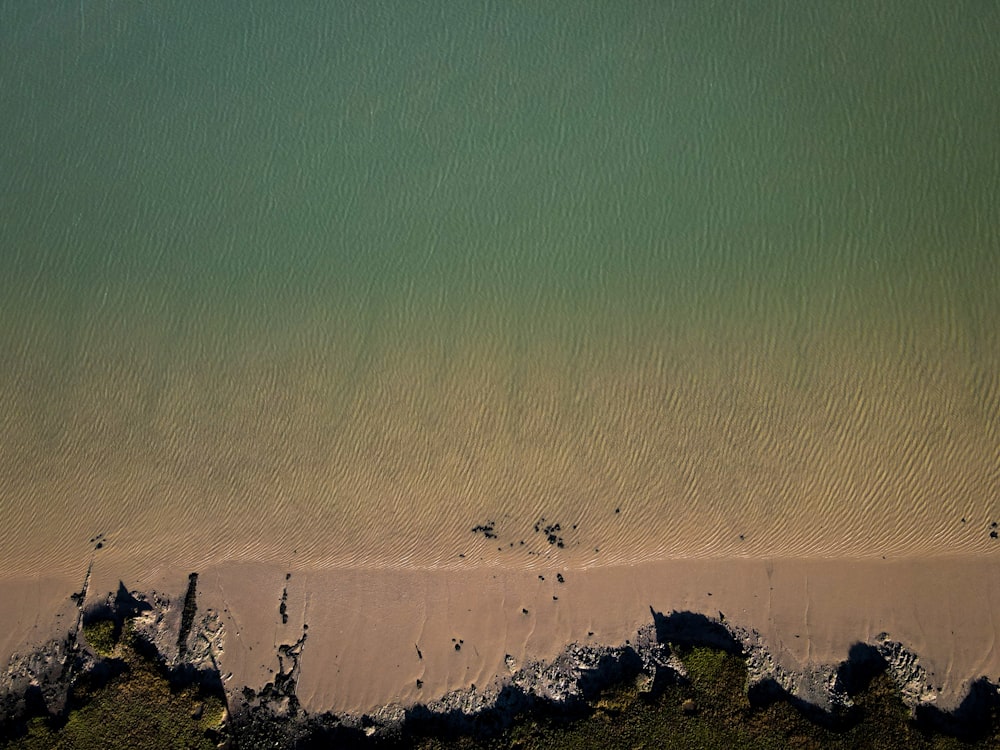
(333, 285)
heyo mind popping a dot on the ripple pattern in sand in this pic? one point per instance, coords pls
(570, 453)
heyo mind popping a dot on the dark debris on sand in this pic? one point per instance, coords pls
(487, 529)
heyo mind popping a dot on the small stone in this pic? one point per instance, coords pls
(689, 707)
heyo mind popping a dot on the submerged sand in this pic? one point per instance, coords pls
(672, 444)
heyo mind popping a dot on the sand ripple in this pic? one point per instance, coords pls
(337, 451)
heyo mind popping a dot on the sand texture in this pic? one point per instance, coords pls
(369, 639)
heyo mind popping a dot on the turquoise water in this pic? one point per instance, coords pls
(734, 266)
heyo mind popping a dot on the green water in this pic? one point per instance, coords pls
(262, 209)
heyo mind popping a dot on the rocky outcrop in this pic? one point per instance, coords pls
(38, 682)
(568, 683)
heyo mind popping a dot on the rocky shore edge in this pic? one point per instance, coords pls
(187, 644)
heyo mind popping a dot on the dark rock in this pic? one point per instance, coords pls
(187, 615)
(487, 529)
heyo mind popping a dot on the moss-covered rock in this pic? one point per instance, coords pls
(711, 709)
(128, 701)
(101, 636)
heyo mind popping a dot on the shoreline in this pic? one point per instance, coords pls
(378, 638)
(194, 647)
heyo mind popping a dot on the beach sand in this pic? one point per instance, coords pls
(373, 634)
